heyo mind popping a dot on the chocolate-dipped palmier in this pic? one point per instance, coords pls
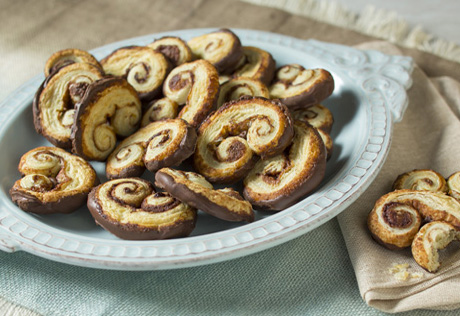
(317, 116)
(397, 216)
(421, 179)
(193, 189)
(159, 110)
(298, 87)
(174, 48)
(235, 88)
(221, 48)
(453, 184)
(230, 139)
(130, 209)
(54, 103)
(430, 238)
(279, 182)
(258, 64)
(144, 68)
(327, 140)
(160, 144)
(69, 56)
(194, 85)
(54, 181)
(110, 107)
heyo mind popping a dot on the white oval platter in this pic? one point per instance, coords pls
(370, 95)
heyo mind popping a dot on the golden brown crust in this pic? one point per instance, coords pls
(235, 88)
(144, 68)
(130, 209)
(221, 48)
(328, 142)
(159, 110)
(160, 144)
(396, 216)
(196, 86)
(431, 238)
(109, 108)
(193, 189)
(69, 56)
(298, 87)
(453, 184)
(54, 181)
(317, 116)
(258, 64)
(280, 181)
(55, 100)
(229, 138)
(421, 179)
(174, 48)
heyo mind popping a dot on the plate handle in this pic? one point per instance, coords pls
(7, 244)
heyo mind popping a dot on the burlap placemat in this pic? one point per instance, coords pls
(32, 30)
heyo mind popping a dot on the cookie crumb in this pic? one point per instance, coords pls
(400, 273)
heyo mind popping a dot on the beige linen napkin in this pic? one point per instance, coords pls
(427, 137)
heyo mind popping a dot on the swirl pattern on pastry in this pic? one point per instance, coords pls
(258, 65)
(396, 216)
(130, 209)
(160, 144)
(69, 56)
(279, 182)
(317, 116)
(298, 87)
(235, 88)
(55, 100)
(144, 68)
(221, 48)
(110, 107)
(432, 237)
(159, 110)
(421, 179)
(194, 85)
(174, 48)
(193, 189)
(230, 138)
(453, 184)
(54, 181)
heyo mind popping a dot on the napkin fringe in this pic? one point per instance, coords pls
(11, 309)
(387, 25)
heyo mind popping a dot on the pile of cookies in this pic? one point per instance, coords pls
(222, 106)
(423, 212)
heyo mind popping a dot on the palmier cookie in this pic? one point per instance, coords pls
(110, 107)
(160, 144)
(397, 216)
(159, 110)
(317, 116)
(174, 48)
(130, 209)
(258, 65)
(298, 87)
(280, 181)
(194, 85)
(230, 138)
(453, 184)
(430, 238)
(69, 56)
(235, 88)
(221, 48)
(54, 181)
(144, 68)
(193, 189)
(54, 102)
(328, 142)
(421, 179)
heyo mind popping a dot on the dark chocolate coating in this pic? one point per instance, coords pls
(229, 63)
(185, 150)
(130, 172)
(197, 200)
(134, 231)
(313, 96)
